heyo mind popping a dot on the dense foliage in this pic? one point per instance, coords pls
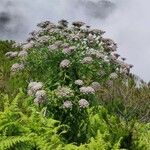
(65, 89)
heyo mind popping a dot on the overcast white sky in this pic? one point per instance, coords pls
(128, 25)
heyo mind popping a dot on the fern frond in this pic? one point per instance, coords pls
(8, 143)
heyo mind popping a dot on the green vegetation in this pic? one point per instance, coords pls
(68, 91)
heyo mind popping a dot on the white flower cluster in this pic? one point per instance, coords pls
(124, 71)
(23, 54)
(96, 53)
(63, 23)
(67, 104)
(53, 48)
(43, 24)
(56, 31)
(35, 89)
(16, 44)
(100, 55)
(124, 65)
(65, 64)
(113, 75)
(91, 52)
(94, 38)
(66, 51)
(87, 60)
(40, 97)
(90, 38)
(78, 24)
(11, 54)
(50, 27)
(83, 103)
(106, 59)
(35, 34)
(79, 82)
(69, 50)
(112, 57)
(110, 44)
(96, 86)
(27, 46)
(87, 90)
(96, 31)
(40, 94)
(43, 39)
(17, 67)
(64, 92)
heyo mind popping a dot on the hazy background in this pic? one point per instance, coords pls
(126, 21)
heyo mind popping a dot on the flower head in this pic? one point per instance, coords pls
(83, 103)
(78, 24)
(65, 63)
(33, 87)
(64, 92)
(40, 94)
(96, 53)
(91, 52)
(96, 31)
(67, 104)
(79, 82)
(68, 50)
(63, 22)
(43, 39)
(23, 54)
(17, 67)
(27, 46)
(53, 48)
(100, 55)
(113, 75)
(37, 86)
(87, 60)
(11, 54)
(96, 86)
(16, 44)
(43, 24)
(87, 90)
(31, 84)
